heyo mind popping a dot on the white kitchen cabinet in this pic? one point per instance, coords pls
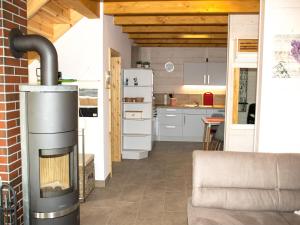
(169, 130)
(182, 124)
(209, 73)
(195, 73)
(193, 127)
(216, 73)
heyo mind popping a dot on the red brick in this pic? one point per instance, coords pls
(13, 132)
(21, 71)
(23, 13)
(3, 142)
(12, 97)
(12, 62)
(24, 63)
(9, 70)
(9, 88)
(20, 20)
(2, 123)
(13, 175)
(3, 169)
(12, 79)
(2, 117)
(9, 7)
(12, 115)
(11, 124)
(14, 148)
(3, 134)
(24, 80)
(4, 176)
(16, 182)
(7, 15)
(2, 97)
(10, 106)
(11, 141)
(15, 165)
(3, 151)
(2, 106)
(3, 160)
(20, 4)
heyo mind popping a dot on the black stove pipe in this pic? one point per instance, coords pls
(19, 44)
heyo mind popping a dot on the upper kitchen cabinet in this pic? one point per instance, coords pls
(216, 73)
(195, 73)
(210, 73)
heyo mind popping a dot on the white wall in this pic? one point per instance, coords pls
(238, 137)
(278, 99)
(112, 38)
(83, 55)
(173, 82)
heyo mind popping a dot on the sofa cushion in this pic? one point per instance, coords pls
(291, 218)
(246, 181)
(211, 216)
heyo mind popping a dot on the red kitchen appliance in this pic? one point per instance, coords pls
(208, 98)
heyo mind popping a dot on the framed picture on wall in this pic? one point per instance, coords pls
(286, 56)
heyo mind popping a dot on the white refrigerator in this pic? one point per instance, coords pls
(137, 105)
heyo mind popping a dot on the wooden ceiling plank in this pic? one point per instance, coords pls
(175, 29)
(59, 13)
(181, 7)
(33, 6)
(180, 41)
(177, 36)
(182, 45)
(171, 20)
(39, 28)
(88, 8)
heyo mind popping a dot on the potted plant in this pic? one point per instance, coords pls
(146, 65)
(139, 64)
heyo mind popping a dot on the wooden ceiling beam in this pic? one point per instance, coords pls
(175, 29)
(171, 20)
(182, 45)
(177, 36)
(180, 7)
(180, 41)
(87, 8)
(33, 6)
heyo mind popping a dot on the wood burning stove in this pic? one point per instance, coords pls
(49, 115)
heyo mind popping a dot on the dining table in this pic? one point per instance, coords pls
(208, 123)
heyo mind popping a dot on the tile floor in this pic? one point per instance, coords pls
(153, 191)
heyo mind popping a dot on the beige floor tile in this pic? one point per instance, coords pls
(175, 202)
(94, 216)
(132, 193)
(151, 208)
(174, 218)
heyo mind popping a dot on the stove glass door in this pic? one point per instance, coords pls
(56, 171)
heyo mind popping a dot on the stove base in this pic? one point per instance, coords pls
(71, 219)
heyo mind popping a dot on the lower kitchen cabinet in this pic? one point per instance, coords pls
(193, 127)
(182, 124)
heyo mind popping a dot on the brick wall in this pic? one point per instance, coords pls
(13, 13)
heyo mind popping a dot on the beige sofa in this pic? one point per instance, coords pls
(231, 188)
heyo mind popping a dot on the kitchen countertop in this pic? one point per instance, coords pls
(191, 106)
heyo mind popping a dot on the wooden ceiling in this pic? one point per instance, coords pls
(52, 18)
(191, 23)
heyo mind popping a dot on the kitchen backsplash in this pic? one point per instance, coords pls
(219, 99)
